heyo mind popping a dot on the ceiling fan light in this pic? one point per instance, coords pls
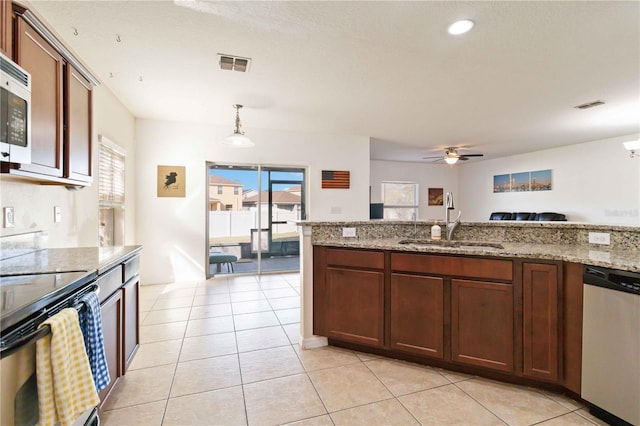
(631, 145)
(451, 160)
(461, 27)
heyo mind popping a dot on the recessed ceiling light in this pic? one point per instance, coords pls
(460, 27)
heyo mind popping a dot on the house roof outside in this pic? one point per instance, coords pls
(279, 197)
(219, 180)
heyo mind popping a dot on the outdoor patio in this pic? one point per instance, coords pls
(269, 264)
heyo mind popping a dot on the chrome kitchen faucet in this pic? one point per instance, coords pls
(451, 226)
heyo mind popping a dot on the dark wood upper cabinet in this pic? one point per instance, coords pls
(45, 65)
(61, 106)
(77, 147)
(6, 34)
(540, 325)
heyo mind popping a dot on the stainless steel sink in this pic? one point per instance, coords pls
(479, 245)
(470, 245)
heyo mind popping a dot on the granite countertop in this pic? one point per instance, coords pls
(487, 224)
(628, 260)
(89, 259)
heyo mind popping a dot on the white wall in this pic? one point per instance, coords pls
(172, 230)
(426, 175)
(593, 182)
(33, 203)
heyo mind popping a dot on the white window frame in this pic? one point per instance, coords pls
(399, 211)
(111, 191)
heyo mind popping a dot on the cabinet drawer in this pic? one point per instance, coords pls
(131, 268)
(355, 258)
(110, 282)
(452, 265)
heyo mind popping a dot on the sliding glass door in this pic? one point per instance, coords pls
(251, 210)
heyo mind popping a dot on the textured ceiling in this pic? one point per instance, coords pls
(387, 70)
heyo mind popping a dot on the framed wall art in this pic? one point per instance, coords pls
(539, 180)
(336, 179)
(171, 181)
(501, 183)
(436, 197)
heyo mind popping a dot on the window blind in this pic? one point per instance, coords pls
(111, 187)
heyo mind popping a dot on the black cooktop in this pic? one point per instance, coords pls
(21, 296)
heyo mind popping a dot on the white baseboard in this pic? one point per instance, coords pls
(313, 342)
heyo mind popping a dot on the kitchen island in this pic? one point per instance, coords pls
(504, 301)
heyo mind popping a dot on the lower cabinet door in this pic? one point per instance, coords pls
(355, 306)
(111, 311)
(540, 321)
(417, 314)
(130, 335)
(482, 324)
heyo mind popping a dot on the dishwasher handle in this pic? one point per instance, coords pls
(624, 281)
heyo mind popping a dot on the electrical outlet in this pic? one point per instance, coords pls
(9, 218)
(57, 214)
(599, 238)
(349, 232)
(601, 256)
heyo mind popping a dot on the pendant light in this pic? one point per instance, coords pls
(238, 139)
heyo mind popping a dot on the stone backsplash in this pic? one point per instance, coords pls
(622, 237)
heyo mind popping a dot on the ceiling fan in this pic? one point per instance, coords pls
(451, 156)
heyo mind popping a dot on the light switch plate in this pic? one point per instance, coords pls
(349, 232)
(599, 238)
(57, 214)
(9, 218)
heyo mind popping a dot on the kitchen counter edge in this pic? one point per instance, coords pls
(89, 259)
(585, 254)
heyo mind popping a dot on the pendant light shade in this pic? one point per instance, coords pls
(238, 139)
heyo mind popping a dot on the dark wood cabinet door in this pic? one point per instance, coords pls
(130, 338)
(540, 322)
(482, 324)
(417, 314)
(572, 326)
(77, 147)
(355, 300)
(111, 310)
(6, 38)
(45, 65)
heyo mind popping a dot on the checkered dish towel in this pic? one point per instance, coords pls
(91, 326)
(65, 385)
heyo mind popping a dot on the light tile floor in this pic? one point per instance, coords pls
(225, 352)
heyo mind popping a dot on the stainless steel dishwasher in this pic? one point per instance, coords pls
(611, 345)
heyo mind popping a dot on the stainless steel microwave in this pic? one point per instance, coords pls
(15, 112)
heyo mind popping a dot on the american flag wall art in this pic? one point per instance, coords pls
(335, 179)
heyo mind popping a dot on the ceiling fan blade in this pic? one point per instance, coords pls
(472, 155)
(462, 158)
(430, 158)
